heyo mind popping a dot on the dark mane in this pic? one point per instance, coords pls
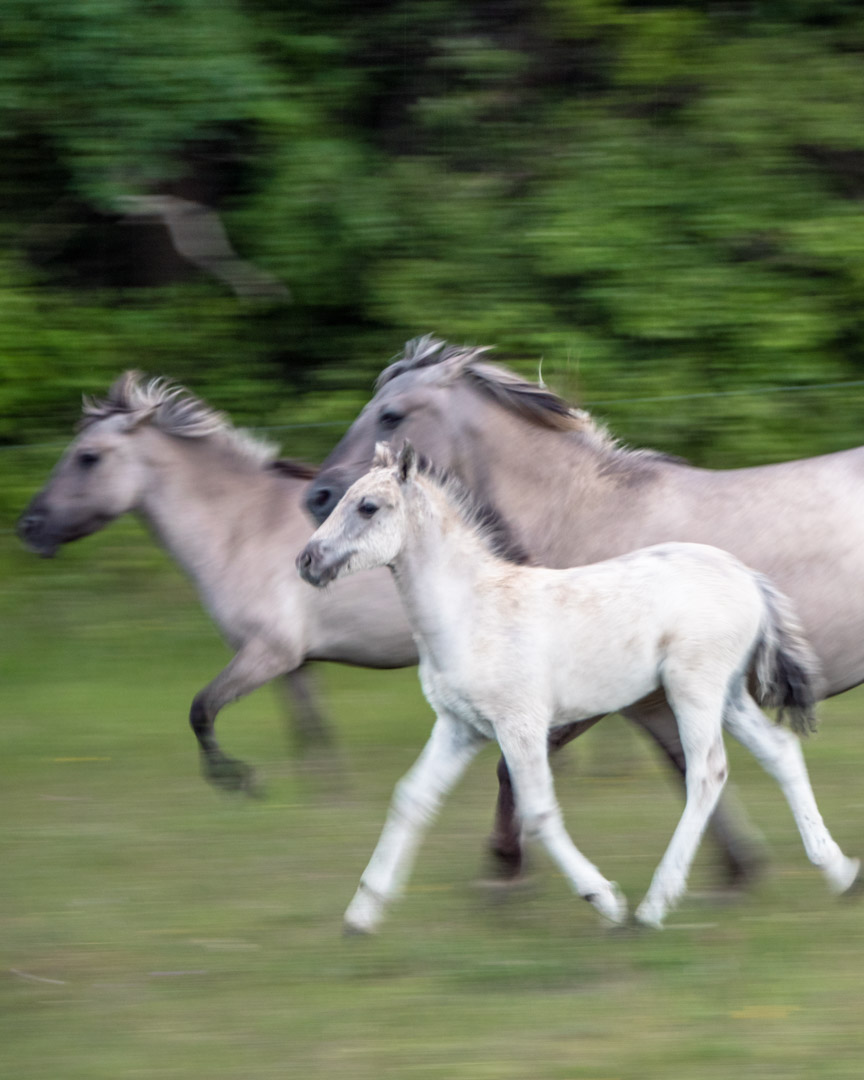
(298, 470)
(534, 402)
(482, 517)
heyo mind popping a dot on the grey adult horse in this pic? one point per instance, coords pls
(231, 514)
(571, 495)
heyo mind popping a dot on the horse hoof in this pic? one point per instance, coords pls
(365, 911)
(231, 775)
(610, 903)
(350, 929)
(845, 877)
(650, 914)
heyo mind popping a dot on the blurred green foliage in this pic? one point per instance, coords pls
(658, 199)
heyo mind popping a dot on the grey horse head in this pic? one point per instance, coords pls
(431, 396)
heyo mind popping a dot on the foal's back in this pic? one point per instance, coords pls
(596, 638)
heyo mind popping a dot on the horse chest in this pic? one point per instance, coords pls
(446, 693)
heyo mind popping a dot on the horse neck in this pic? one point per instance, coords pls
(200, 503)
(564, 494)
(440, 568)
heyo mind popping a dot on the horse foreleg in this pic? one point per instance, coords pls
(778, 751)
(250, 668)
(505, 843)
(528, 762)
(740, 845)
(415, 802)
(699, 712)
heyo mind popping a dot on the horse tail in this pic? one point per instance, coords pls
(787, 669)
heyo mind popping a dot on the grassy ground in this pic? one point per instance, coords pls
(152, 927)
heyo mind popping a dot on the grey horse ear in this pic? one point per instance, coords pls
(406, 463)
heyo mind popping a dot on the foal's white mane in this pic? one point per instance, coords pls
(481, 518)
(175, 410)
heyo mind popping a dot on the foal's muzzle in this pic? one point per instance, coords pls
(316, 567)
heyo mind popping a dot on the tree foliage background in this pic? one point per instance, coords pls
(660, 200)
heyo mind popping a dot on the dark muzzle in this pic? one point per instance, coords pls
(34, 532)
(325, 492)
(316, 566)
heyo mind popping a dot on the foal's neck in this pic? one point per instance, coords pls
(441, 569)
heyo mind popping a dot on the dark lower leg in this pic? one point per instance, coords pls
(218, 768)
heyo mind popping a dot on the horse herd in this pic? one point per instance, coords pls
(542, 574)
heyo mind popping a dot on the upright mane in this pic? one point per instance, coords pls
(176, 411)
(532, 401)
(482, 518)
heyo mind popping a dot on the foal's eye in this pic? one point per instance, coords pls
(367, 508)
(87, 459)
(390, 419)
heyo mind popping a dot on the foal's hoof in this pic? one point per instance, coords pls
(844, 878)
(610, 903)
(351, 929)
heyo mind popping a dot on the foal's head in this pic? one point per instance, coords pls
(367, 528)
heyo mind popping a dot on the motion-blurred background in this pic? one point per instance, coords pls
(663, 202)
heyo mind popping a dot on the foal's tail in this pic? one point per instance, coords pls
(787, 669)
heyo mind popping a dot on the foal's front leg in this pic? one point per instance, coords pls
(416, 800)
(538, 809)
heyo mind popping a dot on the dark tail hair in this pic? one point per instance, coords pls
(787, 669)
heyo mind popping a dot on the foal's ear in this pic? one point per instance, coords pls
(383, 456)
(406, 463)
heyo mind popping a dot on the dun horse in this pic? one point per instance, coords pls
(509, 652)
(571, 495)
(227, 510)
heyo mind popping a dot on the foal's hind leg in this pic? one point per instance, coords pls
(699, 712)
(778, 751)
(541, 820)
(739, 845)
(254, 665)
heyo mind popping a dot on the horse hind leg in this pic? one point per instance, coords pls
(778, 751)
(739, 845)
(699, 713)
(308, 728)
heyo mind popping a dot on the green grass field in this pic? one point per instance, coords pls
(152, 927)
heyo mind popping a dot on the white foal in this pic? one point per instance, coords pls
(508, 652)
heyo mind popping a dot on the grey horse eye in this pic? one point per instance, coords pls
(367, 508)
(390, 419)
(87, 459)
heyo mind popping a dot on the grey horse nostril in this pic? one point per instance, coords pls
(29, 522)
(321, 497)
